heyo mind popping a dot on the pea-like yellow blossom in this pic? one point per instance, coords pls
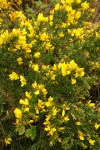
(63, 112)
(73, 81)
(66, 118)
(24, 102)
(90, 104)
(18, 113)
(62, 128)
(34, 85)
(47, 128)
(92, 142)
(19, 60)
(37, 55)
(48, 104)
(54, 111)
(37, 92)
(96, 126)
(8, 140)
(28, 95)
(52, 130)
(14, 76)
(31, 121)
(40, 104)
(78, 123)
(57, 7)
(41, 18)
(35, 67)
(22, 80)
(79, 72)
(85, 5)
(78, 1)
(26, 109)
(81, 135)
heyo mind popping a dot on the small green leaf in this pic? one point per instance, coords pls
(21, 130)
(31, 133)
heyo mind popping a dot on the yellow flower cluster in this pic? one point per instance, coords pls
(39, 88)
(41, 18)
(70, 68)
(25, 107)
(42, 52)
(3, 4)
(17, 16)
(15, 76)
(18, 113)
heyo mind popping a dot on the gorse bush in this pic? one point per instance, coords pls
(48, 63)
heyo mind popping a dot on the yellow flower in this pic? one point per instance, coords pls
(48, 104)
(96, 126)
(73, 81)
(61, 34)
(50, 99)
(26, 109)
(37, 92)
(52, 130)
(19, 60)
(47, 128)
(40, 104)
(35, 67)
(68, 8)
(63, 25)
(51, 18)
(31, 121)
(79, 33)
(24, 102)
(23, 80)
(90, 104)
(44, 37)
(78, 15)
(63, 112)
(85, 5)
(78, 1)
(78, 123)
(63, 67)
(14, 76)
(91, 141)
(18, 113)
(79, 72)
(62, 128)
(34, 85)
(97, 34)
(37, 110)
(54, 111)
(51, 11)
(37, 55)
(41, 18)
(57, 6)
(66, 118)
(28, 95)
(66, 107)
(17, 121)
(7, 140)
(81, 135)
(72, 65)
(19, 2)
